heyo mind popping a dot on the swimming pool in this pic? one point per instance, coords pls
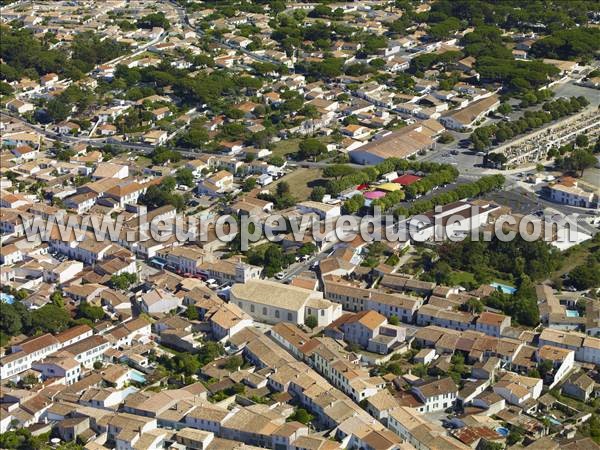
(502, 431)
(571, 313)
(552, 420)
(504, 288)
(7, 298)
(138, 376)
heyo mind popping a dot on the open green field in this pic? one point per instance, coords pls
(460, 278)
(290, 146)
(286, 146)
(301, 182)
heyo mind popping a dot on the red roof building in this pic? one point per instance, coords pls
(406, 179)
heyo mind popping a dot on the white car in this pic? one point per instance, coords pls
(280, 275)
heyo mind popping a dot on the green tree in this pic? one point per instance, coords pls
(249, 184)
(310, 148)
(5, 88)
(185, 177)
(58, 110)
(318, 193)
(154, 20)
(88, 311)
(123, 281)
(514, 437)
(473, 305)
(307, 249)
(488, 445)
(525, 309)
(585, 276)
(394, 320)
(419, 370)
(394, 367)
(579, 160)
(210, 351)
(338, 170)
(233, 363)
(301, 415)
(57, 298)
(195, 137)
(10, 320)
(192, 313)
(573, 43)
(582, 140)
(283, 188)
(29, 380)
(446, 138)
(50, 318)
(311, 321)
(353, 204)
(404, 82)
(161, 155)
(276, 160)
(504, 108)
(545, 367)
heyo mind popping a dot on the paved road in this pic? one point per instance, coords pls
(297, 268)
(523, 201)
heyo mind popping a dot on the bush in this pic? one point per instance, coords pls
(301, 415)
(233, 363)
(446, 138)
(311, 321)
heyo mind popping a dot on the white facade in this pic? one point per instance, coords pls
(571, 195)
(437, 402)
(69, 375)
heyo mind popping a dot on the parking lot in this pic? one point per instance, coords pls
(520, 202)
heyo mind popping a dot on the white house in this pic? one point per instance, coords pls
(517, 389)
(110, 170)
(159, 301)
(570, 194)
(89, 350)
(324, 210)
(563, 361)
(437, 395)
(64, 367)
(81, 203)
(19, 106)
(271, 302)
(465, 118)
(63, 272)
(492, 324)
(228, 320)
(219, 183)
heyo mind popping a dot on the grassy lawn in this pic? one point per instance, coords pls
(301, 181)
(460, 278)
(143, 161)
(572, 402)
(286, 146)
(170, 350)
